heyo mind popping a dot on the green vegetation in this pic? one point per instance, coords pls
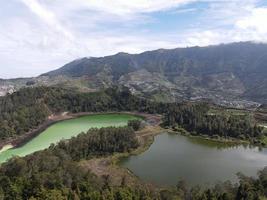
(55, 174)
(264, 139)
(197, 119)
(30, 107)
(99, 142)
(135, 124)
(65, 130)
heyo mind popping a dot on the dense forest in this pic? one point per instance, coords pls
(196, 119)
(99, 142)
(55, 174)
(30, 107)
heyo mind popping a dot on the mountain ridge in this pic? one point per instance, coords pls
(225, 74)
(236, 69)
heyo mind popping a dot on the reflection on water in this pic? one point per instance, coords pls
(222, 145)
(198, 161)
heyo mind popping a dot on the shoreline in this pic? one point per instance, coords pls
(104, 165)
(22, 139)
(52, 119)
(6, 147)
(110, 166)
(231, 141)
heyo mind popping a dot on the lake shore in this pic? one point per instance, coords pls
(257, 142)
(52, 119)
(6, 147)
(108, 166)
(225, 141)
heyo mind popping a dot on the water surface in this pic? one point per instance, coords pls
(65, 130)
(174, 157)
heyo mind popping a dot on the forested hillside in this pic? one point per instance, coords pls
(228, 74)
(26, 109)
(222, 72)
(197, 119)
(29, 107)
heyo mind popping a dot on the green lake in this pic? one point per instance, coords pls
(197, 161)
(65, 130)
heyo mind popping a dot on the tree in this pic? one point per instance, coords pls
(135, 124)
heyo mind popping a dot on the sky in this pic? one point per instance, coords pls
(37, 36)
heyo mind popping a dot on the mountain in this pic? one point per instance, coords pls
(231, 74)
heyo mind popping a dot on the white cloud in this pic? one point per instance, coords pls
(230, 21)
(185, 10)
(47, 16)
(122, 7)
(46, 34)
(256, 21)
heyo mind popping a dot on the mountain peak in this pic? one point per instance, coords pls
(226, 71)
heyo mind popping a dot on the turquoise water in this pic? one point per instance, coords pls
(65, 130)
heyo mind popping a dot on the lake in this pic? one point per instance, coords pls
(174, 157)
(65, 130)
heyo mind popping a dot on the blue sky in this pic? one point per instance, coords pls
(40, 35)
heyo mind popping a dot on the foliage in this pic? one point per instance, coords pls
(194, 117)
(99, 142)
(29, 107)
(135, 124)
(54, 173)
